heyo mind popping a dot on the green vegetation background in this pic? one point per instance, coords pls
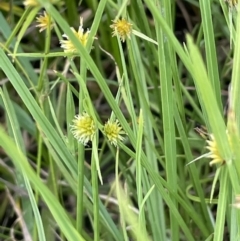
(160, 86)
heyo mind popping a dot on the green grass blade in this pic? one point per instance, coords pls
(50, 132)
(234, 97)
(209, 101)
(194, 175)
(165, 77)
(142, 219)
(212, 63)
(222, 205)
(6, 31)
(56, 209)
(14, 129)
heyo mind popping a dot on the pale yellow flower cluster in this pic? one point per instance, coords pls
(214, 151)
(121, 28)
(44, 21)
(34, 3)
(67, 44)
(30, 3)
(113, 132)
(232, 3)
(84, 128)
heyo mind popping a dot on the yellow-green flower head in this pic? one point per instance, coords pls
(31, 3)
(44, 21)
(83, 128)
(67, 44)
(237, 202)
(34, 3)
(232, 3)
(122, 28)
(113, 132)
(214, 153)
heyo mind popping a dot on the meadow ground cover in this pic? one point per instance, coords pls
(120, 120)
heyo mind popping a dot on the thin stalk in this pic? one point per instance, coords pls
(165, 78)
(222, 205)
(81, 159)
(43, 80)
(95, 194)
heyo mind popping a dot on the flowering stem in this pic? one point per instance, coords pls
(117, 185)
(95, 194)
(142, 220)
(80, 193)
(81, 158)
(128, 97)
(38, 169)
(43, 78)
(79, 223)
(222, 204)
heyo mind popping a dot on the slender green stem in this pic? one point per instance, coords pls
(222, 205)
(81, 160)
(95, 192)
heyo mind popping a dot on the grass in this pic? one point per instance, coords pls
(154, 89)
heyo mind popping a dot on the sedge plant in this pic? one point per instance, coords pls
(101, 101)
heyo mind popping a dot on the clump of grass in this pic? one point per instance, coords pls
(99, 122)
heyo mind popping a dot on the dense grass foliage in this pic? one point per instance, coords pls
(119, 120)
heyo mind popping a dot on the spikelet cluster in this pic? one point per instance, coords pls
(122, 28)
(84, 129)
